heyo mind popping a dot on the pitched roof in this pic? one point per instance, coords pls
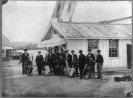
(72, 30)
(124, 20)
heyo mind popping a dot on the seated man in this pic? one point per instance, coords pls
(28, 66)
(46, 69)
(73, 67)
(87, 68)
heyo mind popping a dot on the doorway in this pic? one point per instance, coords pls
(129, 56)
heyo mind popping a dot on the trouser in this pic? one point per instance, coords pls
(81, 70)
(76, 70)
(92, 70)
(39, 66)
(62, 70)
(72, 71)
(47, 70)
(85, 71)
(99, 70)
(52, 68)
(58, 70)
(30, 70)
(24, 69)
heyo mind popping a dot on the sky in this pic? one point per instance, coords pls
(27, 21)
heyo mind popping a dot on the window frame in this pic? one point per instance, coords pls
(115, 48)
(97, 42)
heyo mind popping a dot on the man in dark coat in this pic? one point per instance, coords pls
(68, 57)
(76, 59)
(39, 62)
(29, 66)
(57, 60)
(51, 61)
(24, 57)
(57, 56)
(99, 61)
(87, 68)
(90, 61)
(81, 62)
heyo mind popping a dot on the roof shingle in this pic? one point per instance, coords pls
(93, 30)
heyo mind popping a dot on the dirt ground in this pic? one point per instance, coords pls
(17, 85)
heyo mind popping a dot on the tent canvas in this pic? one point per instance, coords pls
(52, 42)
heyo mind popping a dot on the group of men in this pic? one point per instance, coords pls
(70, 64)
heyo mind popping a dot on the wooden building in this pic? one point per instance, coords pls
(7, 49)
(114, 40)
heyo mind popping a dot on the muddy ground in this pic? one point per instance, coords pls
(17, 85)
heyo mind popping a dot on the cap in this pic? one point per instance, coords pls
(80, 51)
(39, 51)
(50, 50)
(98, 50)
(25, 50)
(72, 51)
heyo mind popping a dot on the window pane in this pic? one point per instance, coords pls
(113, 43)
(113, 55)
(115, 50)
(116, 54)
(109, 50)
(109, 54)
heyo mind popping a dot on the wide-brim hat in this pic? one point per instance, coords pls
(50, 50)
(39, 51)
(80, 51)
(98, 50)
(25, 49)
(89, 50)
(72, 51)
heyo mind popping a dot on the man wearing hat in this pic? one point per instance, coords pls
(57, 59)
(81, 62)
(74, 57)
(57, 56)
(39, 62)
(99, 61)
(24, 57)
(51, 61)
(90, 61)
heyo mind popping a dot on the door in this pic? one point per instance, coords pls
(7, 52)
(129, 56)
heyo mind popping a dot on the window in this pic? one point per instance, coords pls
(92, 43)
(113, 48)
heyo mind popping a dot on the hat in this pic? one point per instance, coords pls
(89, 50)
(50, 50)
(72, 51)
(25, 50)
(98, 50)
(39, 51)
(80, 51)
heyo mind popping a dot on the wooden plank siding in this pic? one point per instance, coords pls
(112, 62)
(77, 45)
(103, 45)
